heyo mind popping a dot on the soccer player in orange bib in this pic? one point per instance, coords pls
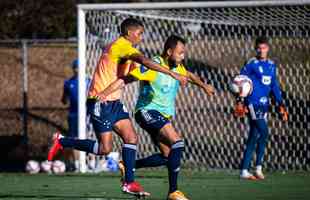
(155, 110)
(107, 113)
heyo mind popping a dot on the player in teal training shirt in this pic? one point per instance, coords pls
(156, 107)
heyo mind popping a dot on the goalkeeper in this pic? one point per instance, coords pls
(155, 109)
(112, 115)
(262, 71)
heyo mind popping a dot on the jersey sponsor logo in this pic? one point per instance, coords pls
(266, 80)
(263, 100)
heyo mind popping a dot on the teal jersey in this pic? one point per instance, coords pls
(158, 91)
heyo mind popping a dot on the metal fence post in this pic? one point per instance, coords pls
(25, 89)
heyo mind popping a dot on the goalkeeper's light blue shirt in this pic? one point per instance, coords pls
(264, 78)
(158, 91)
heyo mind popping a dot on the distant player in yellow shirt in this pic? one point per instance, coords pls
(155, 109)
(112, 114)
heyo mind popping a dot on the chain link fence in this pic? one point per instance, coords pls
(220, 40)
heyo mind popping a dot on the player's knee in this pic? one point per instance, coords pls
(165, 153)
(105, 150)
(131, 139)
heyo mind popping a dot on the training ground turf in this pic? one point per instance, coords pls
(197, 185)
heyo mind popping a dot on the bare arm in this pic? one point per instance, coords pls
(114, 86)
(197, 81)
(156, 67)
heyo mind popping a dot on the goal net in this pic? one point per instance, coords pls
(220, 39)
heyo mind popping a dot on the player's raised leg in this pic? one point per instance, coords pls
(102, 123)
(60, 142)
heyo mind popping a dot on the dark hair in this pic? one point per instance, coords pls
(261, 40)
(129, 23)
(172, 42)
(75, 64)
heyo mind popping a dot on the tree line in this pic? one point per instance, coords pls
(40, 19)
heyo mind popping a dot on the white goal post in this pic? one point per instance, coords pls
(233, 17)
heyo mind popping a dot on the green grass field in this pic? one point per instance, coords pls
(197, 185)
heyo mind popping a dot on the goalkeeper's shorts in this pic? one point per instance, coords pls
(258, 112)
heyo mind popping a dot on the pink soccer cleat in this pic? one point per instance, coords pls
(134, 188)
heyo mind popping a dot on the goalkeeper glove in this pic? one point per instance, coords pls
(283, 112)
(240, 110)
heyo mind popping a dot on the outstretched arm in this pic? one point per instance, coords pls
(197, 81)
(139, 58)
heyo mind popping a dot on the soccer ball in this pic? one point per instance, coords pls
(58, 167)
(242, 85)
(32, 167)
(46, 166)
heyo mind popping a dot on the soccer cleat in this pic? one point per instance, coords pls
(121, 167)
(247, 175)
(177, 195)
(259, 175)
(134, 188)
(55, 147)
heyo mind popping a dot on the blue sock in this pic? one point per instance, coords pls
(89, 146)
(155, 160)
(129, 158)
(174, 162)
(250, 146)
(262, 140)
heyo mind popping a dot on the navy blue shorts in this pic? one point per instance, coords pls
(151, 121)
(104, 115)
(73, 125)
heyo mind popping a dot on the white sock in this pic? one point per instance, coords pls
(258, 168)
(244, 172)
(96, 148)
(77, 164)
